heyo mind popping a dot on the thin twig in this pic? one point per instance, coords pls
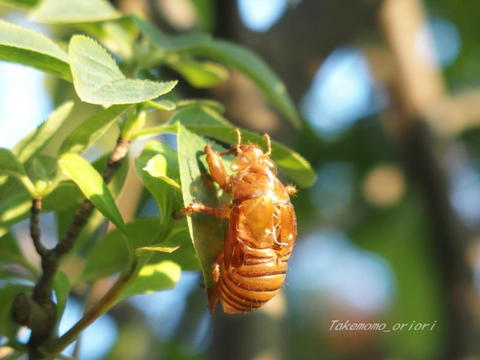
(35, 227)
(99, 308)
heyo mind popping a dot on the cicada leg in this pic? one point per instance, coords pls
(217, 170)
(215, 163)
(212, 292)
(221, 212)
(268, 143)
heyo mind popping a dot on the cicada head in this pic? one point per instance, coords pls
(251, 156)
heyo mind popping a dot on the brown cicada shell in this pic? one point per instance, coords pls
(261, 232)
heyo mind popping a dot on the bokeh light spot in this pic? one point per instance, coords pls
(334, 187)
(261, 15)
(443, 36)
(384, 185)
(327, 264)
(96, 340)
(341, 92)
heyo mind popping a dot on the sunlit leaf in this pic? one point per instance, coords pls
(16, 206)
(13, 209)
(36, 140)
(165, 42)
(74, 11)
(214, 105)
(158, 168)
(9, 250)
(207, 233)
(161, 104)
(143, 233)
(23, 4)
(118, 36)
(164, 186)
(89, 131)
(178, 239)
(152, 278)
(25, 46)
(200, 74)
(9, 165)
(92, 186)
(98, 80)
(43, 171)
(255, 68)
(161, 249)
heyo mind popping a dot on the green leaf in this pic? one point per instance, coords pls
(255, 68)
(207, 233)
(62, 287)
(13, 209)
(143, 233)
(165, 42)
(205, 121)
(16, 206)
(10, 165)
(185, 256)
(118, 36)
(153, 277)
(64, 210)
(9, 250)
(162, 186)
(43, 171)
(158, 248)
(74, 11)
(178, 239)
(200, 74)
(162, 104)
(34, 142)
(25, 46)
(214, 105)
(23, 4)
(57, 199)
(88, 132)
(157, 167)
(98, 80)
(205, 10)
(199, 115)
(92, 186)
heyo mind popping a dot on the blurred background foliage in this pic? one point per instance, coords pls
(389, 233)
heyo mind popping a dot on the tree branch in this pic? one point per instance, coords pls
(50, 260)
